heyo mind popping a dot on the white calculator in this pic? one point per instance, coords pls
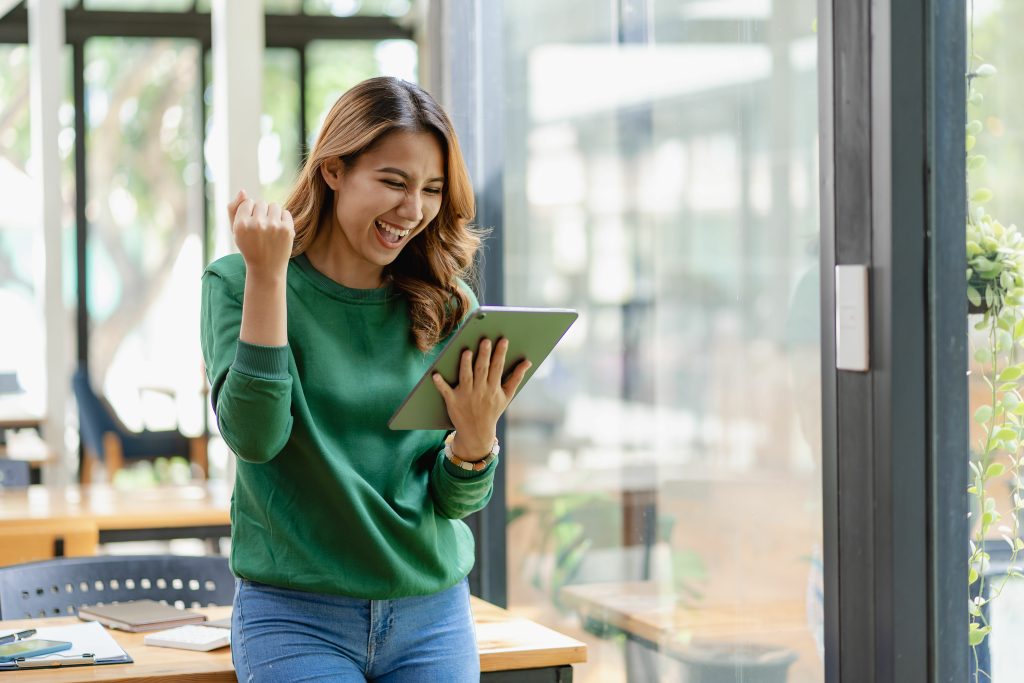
(191, 637)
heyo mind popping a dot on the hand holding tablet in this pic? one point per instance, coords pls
(531, 334)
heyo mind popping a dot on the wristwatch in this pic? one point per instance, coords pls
(469, 466)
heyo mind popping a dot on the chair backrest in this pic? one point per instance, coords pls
(94, 420)
(60, 587)
(13, 473)
(43, 539)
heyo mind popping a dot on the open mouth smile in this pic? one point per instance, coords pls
(391, 235)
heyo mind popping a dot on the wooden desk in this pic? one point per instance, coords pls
(160, 513)
(519, 648)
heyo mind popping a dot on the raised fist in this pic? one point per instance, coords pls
(264, 234)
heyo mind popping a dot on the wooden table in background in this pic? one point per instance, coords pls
(511, 649)
(659, 621)
(159, 513)
(644, 610)
(29, 447)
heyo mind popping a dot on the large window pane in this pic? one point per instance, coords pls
(665, 494)
(334, 66)
(22, 258)
(144, 209)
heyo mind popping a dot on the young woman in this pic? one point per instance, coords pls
(346, 536)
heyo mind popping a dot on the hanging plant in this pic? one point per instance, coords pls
(995, 292)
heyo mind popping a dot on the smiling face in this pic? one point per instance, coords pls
(386, 197)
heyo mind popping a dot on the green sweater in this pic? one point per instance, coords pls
(327, 499)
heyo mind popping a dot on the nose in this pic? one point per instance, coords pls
(411, 208)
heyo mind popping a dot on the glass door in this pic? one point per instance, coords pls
(664, 496)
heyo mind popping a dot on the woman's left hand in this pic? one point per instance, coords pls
(480, 397)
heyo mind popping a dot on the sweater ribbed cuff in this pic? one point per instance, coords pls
(460, 473)
(265, 362)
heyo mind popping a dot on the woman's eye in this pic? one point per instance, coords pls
(432, 190)
(395, 184)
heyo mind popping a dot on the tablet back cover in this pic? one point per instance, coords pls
(532, 334)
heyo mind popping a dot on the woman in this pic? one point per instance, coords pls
(345, 535)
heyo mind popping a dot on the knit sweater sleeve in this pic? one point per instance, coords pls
(250, 385)
(458, 493)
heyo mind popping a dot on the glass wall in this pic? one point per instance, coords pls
(665, 490)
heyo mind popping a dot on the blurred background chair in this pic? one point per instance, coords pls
(14, 473)
(110, 443)
(44, 539)
(59, 587)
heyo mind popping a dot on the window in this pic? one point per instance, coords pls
(661, 178)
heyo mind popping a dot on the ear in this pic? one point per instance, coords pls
(331, 170)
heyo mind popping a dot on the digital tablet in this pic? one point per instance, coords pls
(531, 332)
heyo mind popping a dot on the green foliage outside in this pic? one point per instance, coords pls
(995, 290)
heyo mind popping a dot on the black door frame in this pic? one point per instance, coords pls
(895, 438)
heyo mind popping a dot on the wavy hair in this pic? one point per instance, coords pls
(427, 270)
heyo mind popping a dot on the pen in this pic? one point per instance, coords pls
(21, 635)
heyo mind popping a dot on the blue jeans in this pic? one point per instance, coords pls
(278, 634)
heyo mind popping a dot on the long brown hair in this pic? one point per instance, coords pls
(428, 268)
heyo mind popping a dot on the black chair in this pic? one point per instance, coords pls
(14, 473)
(59, 587)
(105, 440)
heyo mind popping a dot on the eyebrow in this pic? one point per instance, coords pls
(400, 172)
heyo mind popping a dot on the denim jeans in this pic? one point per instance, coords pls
(278, 634)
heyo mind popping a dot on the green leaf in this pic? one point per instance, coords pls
(976, 161)
(983, 414)
(1006, 281)
(976, 98)
(985, 71)
(972, 576)
(969, 143)
(1009, 374)
(981, 195)
(996, 469)
(977, 634)
(972, 489)
(974, 127)
(982, 355)
(973, 296)
(1018, 544)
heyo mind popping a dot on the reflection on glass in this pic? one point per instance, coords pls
(665, 497)
(144, 209)
(334, 66)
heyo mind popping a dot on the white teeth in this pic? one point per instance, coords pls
(387, 227)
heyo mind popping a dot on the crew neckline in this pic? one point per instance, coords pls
(338, 290)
